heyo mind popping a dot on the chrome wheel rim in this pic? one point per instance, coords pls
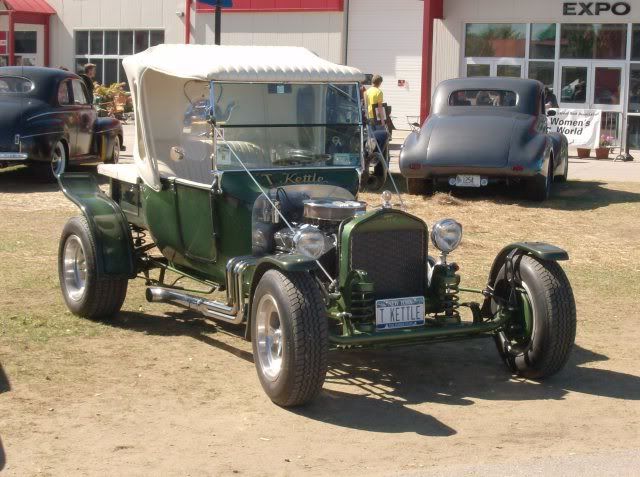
(74, 268)
(269, 337)
(57, 160)
(116, 150)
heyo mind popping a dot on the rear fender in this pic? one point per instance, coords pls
(107, 222)
(284, 263)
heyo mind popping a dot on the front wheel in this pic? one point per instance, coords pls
(537, 341)
(86, 291)
(290, 337)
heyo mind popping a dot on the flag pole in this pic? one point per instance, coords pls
(218, 21)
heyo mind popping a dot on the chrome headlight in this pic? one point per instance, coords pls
(311, 242)
(446, 235)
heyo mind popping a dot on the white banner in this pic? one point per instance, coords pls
(581, 126)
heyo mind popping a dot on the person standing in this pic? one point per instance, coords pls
(87, 76)
(375, 112)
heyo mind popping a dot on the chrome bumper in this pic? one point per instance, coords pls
(13, 156)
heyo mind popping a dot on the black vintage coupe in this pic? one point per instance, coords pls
(47, 122)
(482, 131)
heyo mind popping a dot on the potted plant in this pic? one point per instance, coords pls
(602, 152)
(584, 152)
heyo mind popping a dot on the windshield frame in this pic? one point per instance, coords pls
(219, 127)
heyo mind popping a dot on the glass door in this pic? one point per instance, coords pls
(592, 85)
(595, 85)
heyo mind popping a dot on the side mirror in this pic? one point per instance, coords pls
(552, 112)
(176, 153)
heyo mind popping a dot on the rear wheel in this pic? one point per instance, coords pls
(539, 188)
(538, 339)
(86, 291)
(565, 171)
(50, 171)
(115, 154)
(290, 337)
(420, 186)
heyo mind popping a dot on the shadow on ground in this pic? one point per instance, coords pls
(4, 381)
(3, 457)
(375, 390)
(571, 195)
(4, 387)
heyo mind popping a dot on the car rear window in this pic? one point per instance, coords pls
(15, 85)
(483, 97)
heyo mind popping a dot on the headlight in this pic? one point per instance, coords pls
(446, 235)
(311, 242)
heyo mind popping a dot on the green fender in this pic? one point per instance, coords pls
(541, 250)
(284, 262)
(107, 222)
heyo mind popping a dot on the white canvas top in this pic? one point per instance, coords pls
(157, 78)
(240, 63)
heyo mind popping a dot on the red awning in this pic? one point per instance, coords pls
(30, 6)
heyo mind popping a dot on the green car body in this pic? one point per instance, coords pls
(250, 232)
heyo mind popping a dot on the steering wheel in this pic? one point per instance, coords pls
(294, 157)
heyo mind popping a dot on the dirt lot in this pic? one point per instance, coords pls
(159, 391)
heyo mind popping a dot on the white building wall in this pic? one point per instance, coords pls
(386, 38)
(320, 32)
(110, 14)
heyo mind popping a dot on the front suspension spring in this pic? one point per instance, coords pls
(451, 301)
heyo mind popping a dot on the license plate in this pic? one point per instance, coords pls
(466, 180)
(397, 313)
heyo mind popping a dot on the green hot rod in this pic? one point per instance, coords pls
(245, 180)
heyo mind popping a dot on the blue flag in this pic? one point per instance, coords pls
(213, 3)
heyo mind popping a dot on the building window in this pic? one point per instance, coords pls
(495, 40)
(542, 44)
(593, 41)
(26, 42)
(107, 48)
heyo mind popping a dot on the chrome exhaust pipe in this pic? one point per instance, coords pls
(209, 308)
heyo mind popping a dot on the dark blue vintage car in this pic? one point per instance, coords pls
(47, 122)
(483, 131)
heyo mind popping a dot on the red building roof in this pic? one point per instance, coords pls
(30, 6)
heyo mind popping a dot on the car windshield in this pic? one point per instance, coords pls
(15, 85)
(277, 125)
(483, 97)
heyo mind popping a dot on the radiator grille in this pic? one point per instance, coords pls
(394, 259)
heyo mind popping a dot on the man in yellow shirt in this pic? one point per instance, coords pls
(374, 102)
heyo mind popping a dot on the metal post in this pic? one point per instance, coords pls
(218, 21)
